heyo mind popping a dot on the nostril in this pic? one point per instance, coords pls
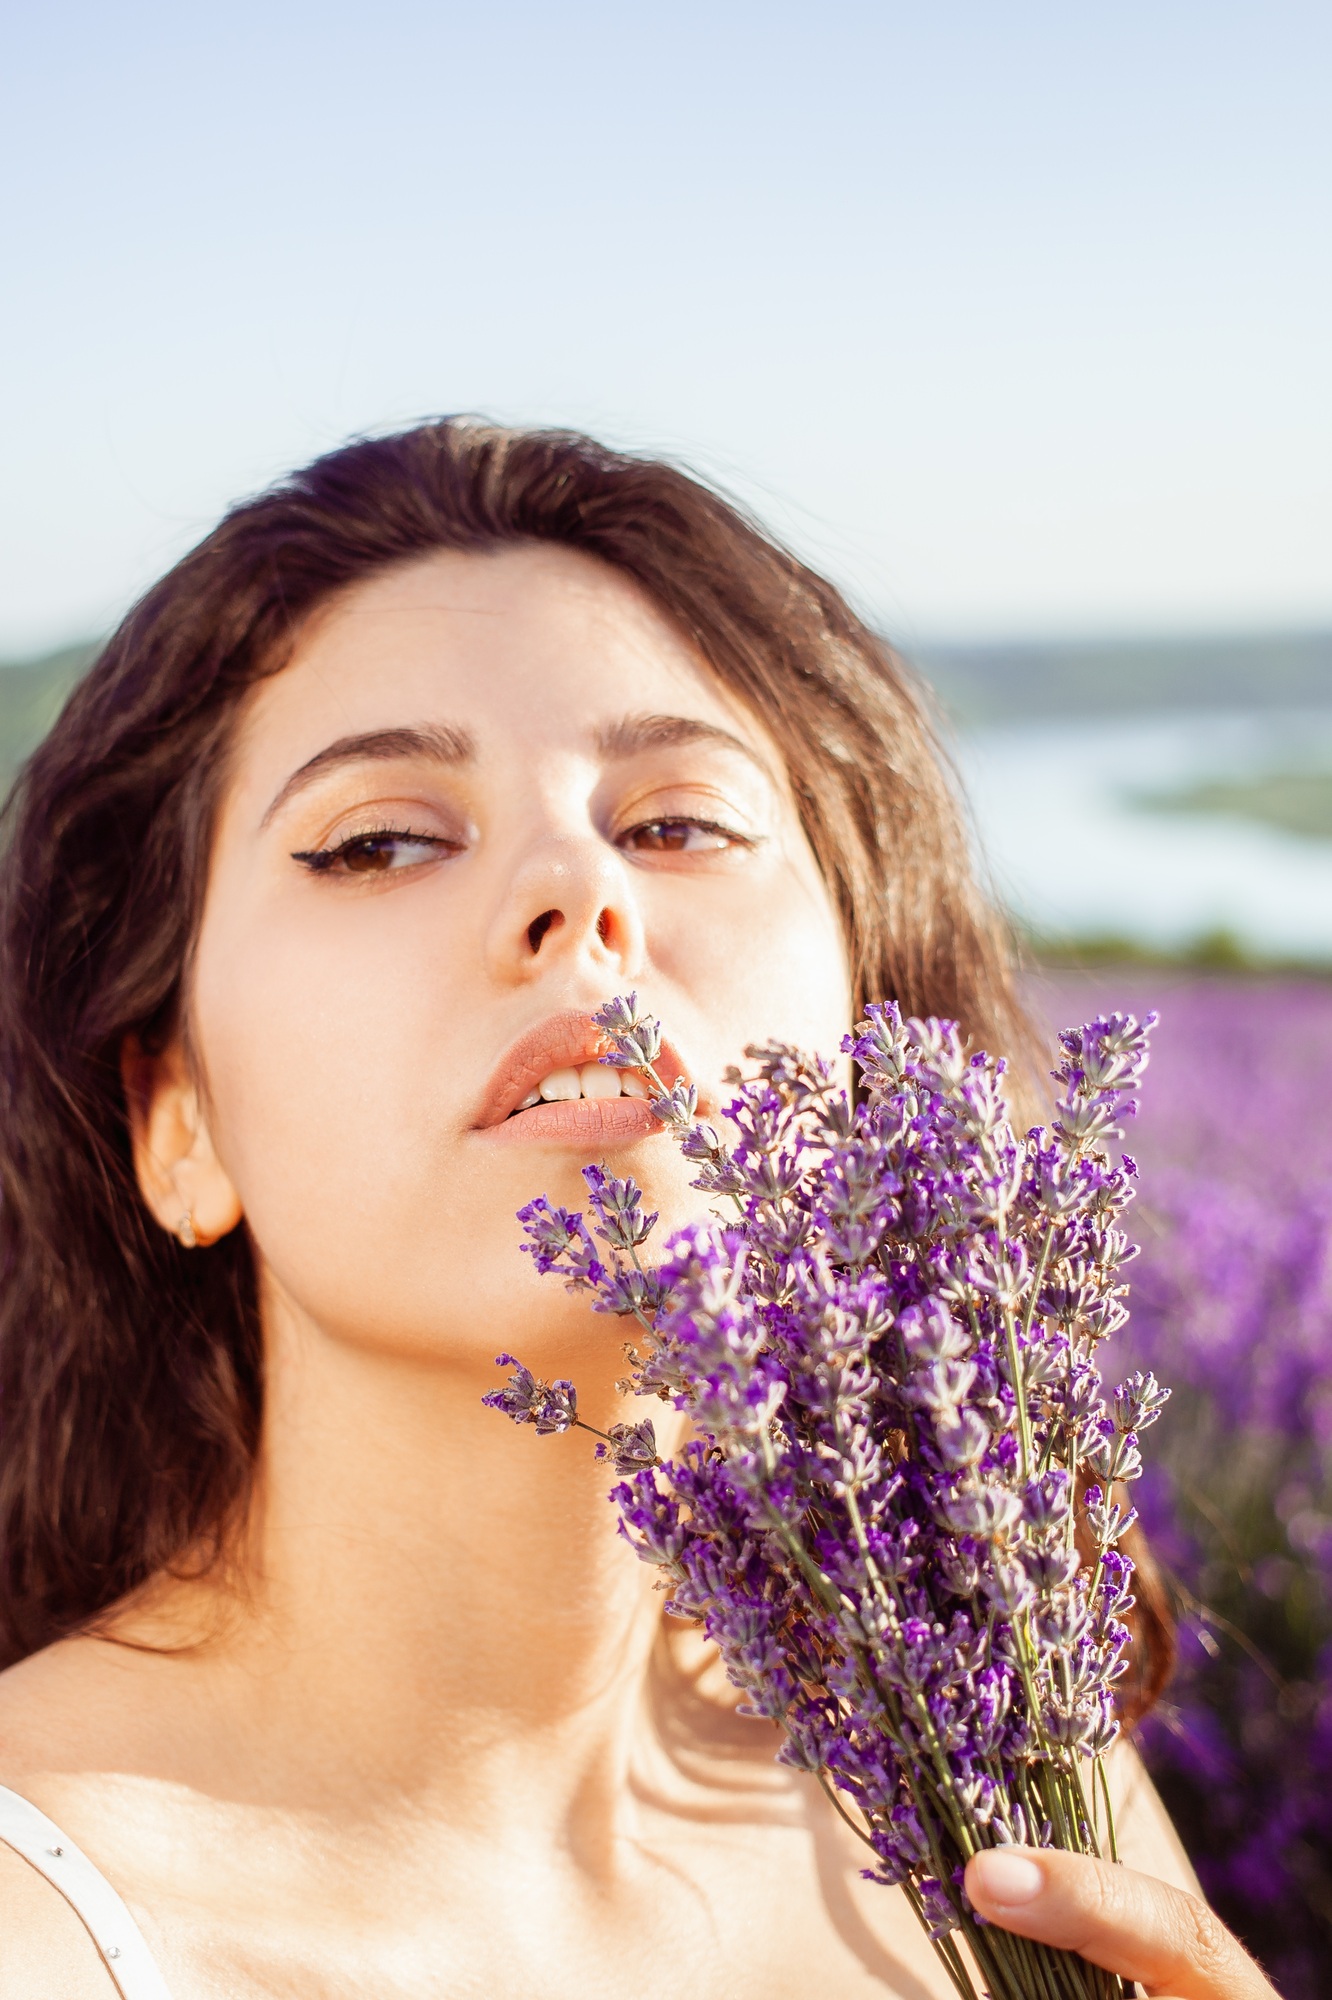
(604, 926)
(538, 927)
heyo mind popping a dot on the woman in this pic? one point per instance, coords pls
(343, 1686)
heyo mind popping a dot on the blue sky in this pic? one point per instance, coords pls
(1016, 318)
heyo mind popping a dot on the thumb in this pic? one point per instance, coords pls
(1128, 1923)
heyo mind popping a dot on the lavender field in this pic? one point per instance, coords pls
(1232, 1304)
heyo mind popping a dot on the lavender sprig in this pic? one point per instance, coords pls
(887, 1349)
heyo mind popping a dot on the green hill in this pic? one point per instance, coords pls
(1292, 801)
(32, 693)
(996, 683)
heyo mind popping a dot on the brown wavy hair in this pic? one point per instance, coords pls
(131, 1371)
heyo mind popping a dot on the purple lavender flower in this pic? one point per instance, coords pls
(630, 1447)
(558, 1241)
(617, 1206)
(637, 1038)
(550, 1406)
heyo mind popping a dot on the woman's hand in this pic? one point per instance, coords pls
(1130, 1924)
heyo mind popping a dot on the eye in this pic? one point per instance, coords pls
(680, 836)
(379, 853)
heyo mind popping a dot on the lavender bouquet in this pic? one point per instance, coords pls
(898, 1513)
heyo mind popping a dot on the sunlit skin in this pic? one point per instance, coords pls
(419, 1736)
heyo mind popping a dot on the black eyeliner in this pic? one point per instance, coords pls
(319, 860)
(703, 825)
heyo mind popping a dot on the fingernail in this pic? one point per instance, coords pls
(1009, 1878)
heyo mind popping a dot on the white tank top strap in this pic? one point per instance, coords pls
(89, 1894)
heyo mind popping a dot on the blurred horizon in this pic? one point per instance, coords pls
(987, 680)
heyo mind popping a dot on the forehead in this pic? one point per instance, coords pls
(532, 642)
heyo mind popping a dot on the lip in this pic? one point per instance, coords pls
(583, 1121)
(565, 1041)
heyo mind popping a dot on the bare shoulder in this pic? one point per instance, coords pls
(45, 1952)
(1146, 1837)
(49, 1721)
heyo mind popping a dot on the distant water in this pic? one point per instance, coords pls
(1074, 852)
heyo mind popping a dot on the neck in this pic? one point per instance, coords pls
(436, 1594)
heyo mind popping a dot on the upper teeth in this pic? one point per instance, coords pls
(593, 1079)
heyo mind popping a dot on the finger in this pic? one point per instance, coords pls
(1130, 1924)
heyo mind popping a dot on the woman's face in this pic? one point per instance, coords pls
(487, 793)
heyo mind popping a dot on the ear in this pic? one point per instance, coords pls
(179, 1173)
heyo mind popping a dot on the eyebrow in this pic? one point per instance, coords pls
(637, 733)
(437, 743)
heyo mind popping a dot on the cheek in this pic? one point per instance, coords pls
(769, 966)
(808, 955)
(332, 1082)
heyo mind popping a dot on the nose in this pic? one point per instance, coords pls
(570, 900)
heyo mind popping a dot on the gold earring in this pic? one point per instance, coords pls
(186, 1233)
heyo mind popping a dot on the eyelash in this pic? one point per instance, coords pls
(372, 840)
(378, 840)
(729, 834)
